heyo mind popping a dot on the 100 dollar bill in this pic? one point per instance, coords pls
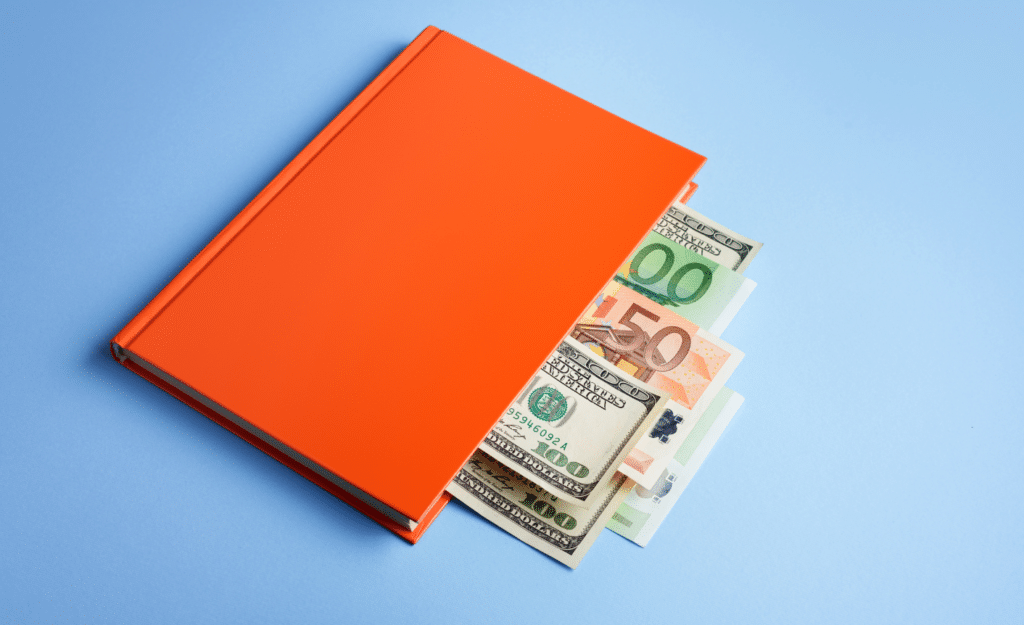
(643, 510)
(574, 424)
(694, 287)
(522, 508)
(712, 240)
(654, 344)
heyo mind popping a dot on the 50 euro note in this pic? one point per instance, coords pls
(643, 510)
(691, 285)
(519, 506)
(666, 351)
(573, 425)
(712, 240)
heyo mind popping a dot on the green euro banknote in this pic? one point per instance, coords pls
(643, 510)
(522, 508)
(711, 240)
(691, 285)
(656, 345)
(574, 423)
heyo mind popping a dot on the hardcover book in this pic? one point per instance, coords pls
(374, 310)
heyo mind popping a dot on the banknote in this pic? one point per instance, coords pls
(574, 424)
(670, 353)
(695, 287)
(643, 509)
(522, 508)
(712, 240)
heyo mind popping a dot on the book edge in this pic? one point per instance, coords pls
(688, 193)
(410, 535)
(120, 343)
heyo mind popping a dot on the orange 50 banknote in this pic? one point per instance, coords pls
(657, 346)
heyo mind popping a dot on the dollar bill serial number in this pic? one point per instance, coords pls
(538, 427)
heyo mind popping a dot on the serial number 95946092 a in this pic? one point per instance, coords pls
(538, 427)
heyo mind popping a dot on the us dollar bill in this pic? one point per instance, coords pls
(643, 510)
(696, 232)
(574, 423)
(524, 509)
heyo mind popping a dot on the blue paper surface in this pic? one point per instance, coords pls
(873, 475)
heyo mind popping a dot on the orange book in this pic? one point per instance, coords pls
(375, 309)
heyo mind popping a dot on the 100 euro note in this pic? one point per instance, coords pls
(712, 240)
(643, 510)
(692, 286)
(522, 508)
(657, 346)
(574, 423)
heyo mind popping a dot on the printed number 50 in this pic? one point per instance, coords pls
(652, 357)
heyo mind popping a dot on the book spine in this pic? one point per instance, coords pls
(123, 340)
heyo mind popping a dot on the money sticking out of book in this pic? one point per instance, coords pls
(614, 425)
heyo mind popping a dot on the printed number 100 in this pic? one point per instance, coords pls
(666, 266)
(548, 511)
(559, 459)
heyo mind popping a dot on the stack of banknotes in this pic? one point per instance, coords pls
(620, 416)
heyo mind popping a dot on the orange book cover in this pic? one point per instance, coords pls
(374, 310)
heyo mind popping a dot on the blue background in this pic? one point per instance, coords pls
(874, 474)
